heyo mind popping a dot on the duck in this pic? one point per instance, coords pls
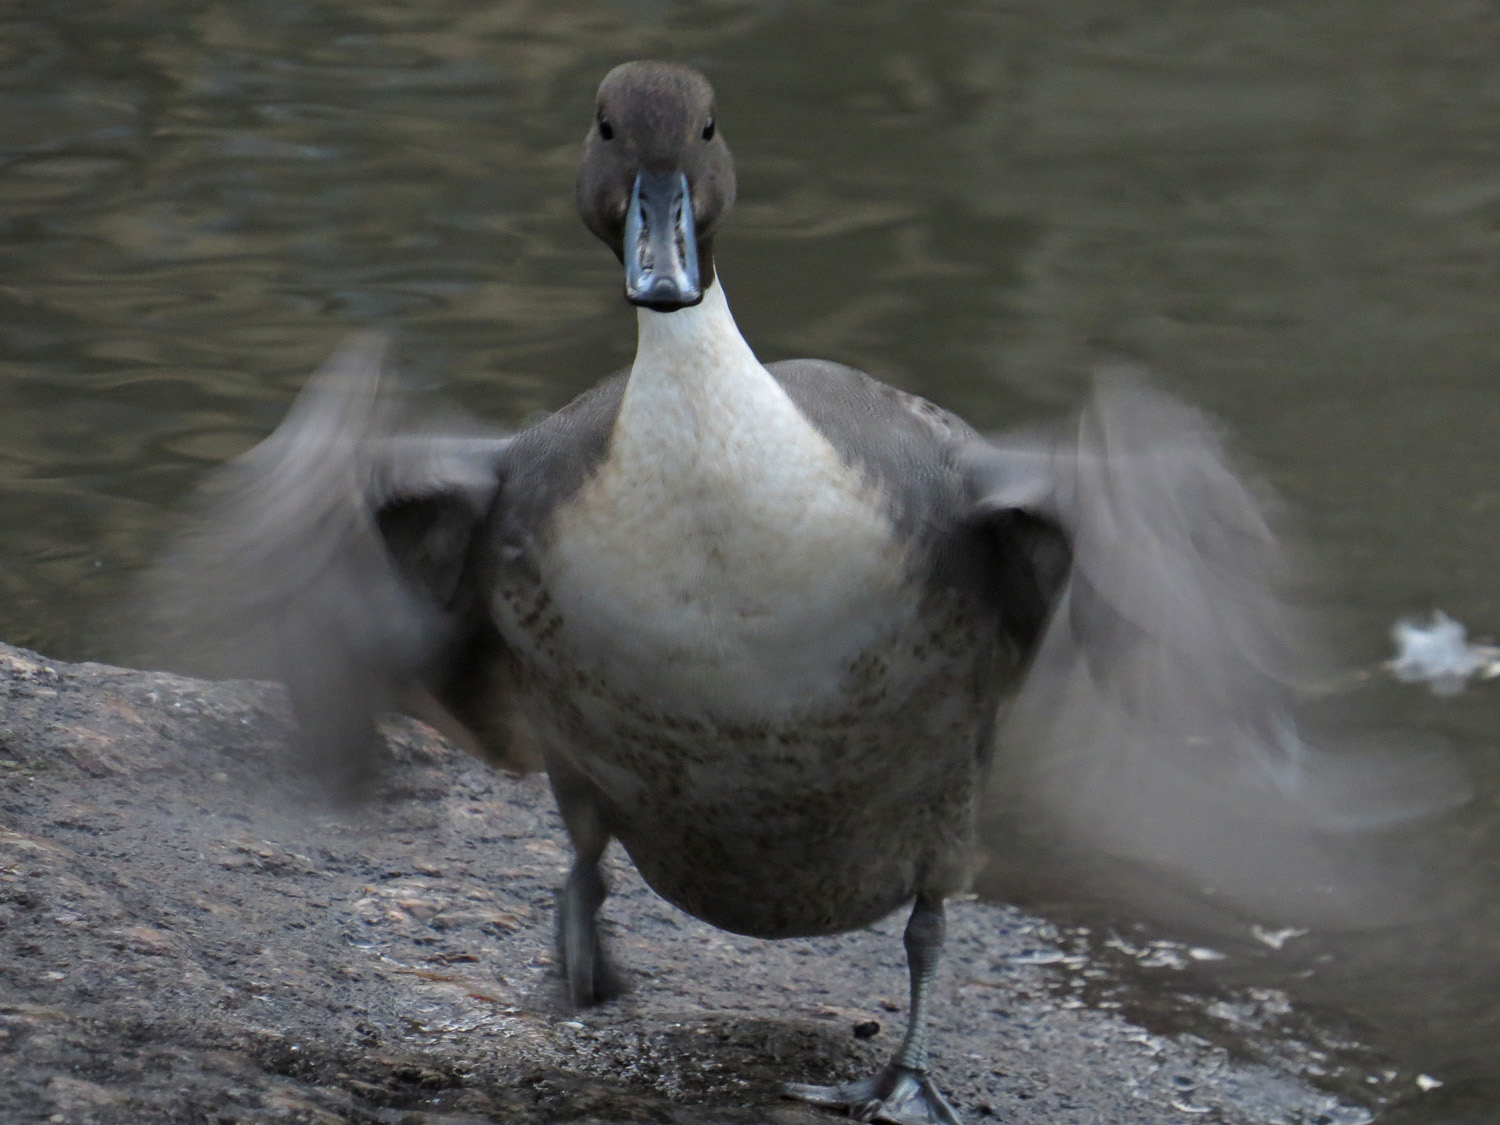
(760, 623)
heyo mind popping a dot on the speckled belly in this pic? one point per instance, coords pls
(815, 818)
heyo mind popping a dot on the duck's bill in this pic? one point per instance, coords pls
(661, 244)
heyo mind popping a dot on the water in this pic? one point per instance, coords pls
(1290, 211)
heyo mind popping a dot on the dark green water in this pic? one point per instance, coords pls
(1290, 211)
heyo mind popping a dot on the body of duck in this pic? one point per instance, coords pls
(758, 622)
(779, 704)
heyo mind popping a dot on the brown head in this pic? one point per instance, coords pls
(657, 180)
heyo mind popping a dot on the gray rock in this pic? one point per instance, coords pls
(188, 933)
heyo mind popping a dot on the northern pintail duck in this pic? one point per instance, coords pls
(757, 621)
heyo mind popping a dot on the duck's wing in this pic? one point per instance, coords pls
(332, 557)
(1160, 709)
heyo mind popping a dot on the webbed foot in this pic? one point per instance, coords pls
(898, 1094)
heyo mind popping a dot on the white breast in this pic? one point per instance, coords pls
(724, 555)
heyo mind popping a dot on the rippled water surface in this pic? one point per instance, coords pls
(1290, 211)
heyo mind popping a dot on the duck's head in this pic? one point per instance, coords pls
(656, 180)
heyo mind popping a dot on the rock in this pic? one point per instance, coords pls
(188, 933)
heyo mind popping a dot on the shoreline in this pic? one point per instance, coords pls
(188, 935)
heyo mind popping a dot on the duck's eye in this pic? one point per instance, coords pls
(606, 130)
(708, 130)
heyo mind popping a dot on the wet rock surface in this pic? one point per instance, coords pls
(186, 934)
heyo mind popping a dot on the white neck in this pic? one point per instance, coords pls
(691, 356)
(707, 327)
(720, 530)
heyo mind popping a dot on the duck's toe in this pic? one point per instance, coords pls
(898, 1094)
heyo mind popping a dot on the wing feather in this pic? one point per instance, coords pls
(1159, 719)
(330, 557)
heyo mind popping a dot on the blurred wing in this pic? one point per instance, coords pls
(1158, 716)
(330, 557)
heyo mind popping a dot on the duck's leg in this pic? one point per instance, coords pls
(903, 1092)
(585, 965)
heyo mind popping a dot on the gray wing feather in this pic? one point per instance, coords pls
(1158, 718)
(329, 556)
